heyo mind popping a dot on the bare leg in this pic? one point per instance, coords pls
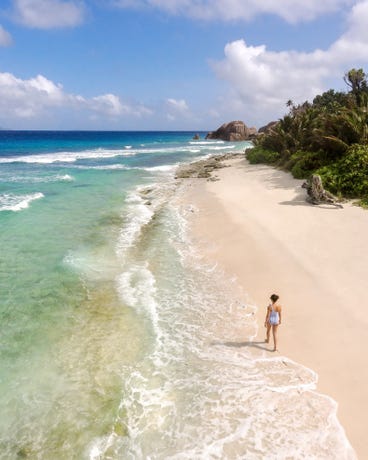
(274, 333)
(268, 332)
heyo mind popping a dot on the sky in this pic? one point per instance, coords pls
(171, 64)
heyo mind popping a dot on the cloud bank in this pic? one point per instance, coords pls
(292, 11)
(38, 96)
(261, 81)
(48, 14)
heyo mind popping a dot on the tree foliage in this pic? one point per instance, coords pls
(356, 79)
(328, 135)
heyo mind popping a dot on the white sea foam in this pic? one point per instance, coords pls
(39, 179)
(136, 288)
(72, 157)
(121, 167)
(66, 157)
(11, 202)
(137, 215)
(207, 142)
(65, 177)
(225, 147)
(142, 203)
(162, 168)
(116, 166)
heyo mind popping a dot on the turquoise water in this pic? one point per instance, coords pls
(115, 342)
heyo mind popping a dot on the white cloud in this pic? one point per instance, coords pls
(111, 105)
(5, 37)
(49, 14)
(261, 81)
(290, 10)
(33, 98)
(27, 98)
(352, 46)
(177, 105)
(176, 109)
(108, 103)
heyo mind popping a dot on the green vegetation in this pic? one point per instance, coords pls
(328, 137)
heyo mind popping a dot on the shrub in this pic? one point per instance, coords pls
(302, 164)
(259, 155)
(363, 203)
(299, 171)
(348, 176)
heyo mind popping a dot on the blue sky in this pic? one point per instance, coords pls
(171, 64)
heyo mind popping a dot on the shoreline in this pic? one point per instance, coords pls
(255, 223)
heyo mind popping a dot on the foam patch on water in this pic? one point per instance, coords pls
(92, 266)
(136, 288)
(65, 177)
(11, 202)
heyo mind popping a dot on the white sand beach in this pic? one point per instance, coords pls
(256, 223)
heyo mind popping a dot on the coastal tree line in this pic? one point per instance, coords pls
(328, 136)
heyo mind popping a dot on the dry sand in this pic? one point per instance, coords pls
(256, 223)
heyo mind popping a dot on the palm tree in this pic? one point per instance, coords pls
(356, 79)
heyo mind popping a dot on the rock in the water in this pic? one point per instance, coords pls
(196, 137)
(233, 131)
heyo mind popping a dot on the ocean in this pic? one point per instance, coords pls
(115, 339)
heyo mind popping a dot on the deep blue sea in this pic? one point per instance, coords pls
(112, 325)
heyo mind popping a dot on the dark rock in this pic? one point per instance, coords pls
(233, 131)
(196, 137)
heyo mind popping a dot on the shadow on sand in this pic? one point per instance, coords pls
(277, 179)
(300, 200)
(260, 345)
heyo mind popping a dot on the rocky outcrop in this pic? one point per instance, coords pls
(233, 131)
(267, 128)
(252, 133)
(204, 168)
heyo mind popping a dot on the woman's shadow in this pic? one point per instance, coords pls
(260, 345)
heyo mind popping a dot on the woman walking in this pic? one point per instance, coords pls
(273, 319)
